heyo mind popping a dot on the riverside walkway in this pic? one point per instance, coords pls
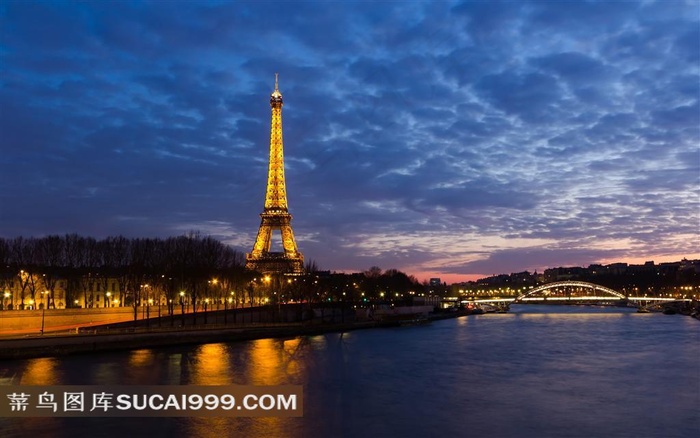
(63, 344)
(179, 330)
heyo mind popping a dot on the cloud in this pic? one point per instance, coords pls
(441, 137)
(533, 96)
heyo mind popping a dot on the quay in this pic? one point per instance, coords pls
(96, 341)
(126, 336)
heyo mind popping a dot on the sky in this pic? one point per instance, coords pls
(444, 139)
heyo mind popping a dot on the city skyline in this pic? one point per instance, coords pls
(451, 140)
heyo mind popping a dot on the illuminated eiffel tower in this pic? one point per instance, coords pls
(275, 215)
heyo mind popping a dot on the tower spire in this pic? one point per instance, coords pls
(276, 95)
(275, 215)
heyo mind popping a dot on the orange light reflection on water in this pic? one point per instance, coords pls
(41, 372)
(264, 362)
(140, 358)
(141, 367)
(211, 365)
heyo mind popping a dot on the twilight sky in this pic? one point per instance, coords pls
(446, 139)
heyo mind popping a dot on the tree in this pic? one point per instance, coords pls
(23, 254)
(51, 257)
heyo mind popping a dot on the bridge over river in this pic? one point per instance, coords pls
(577, 292)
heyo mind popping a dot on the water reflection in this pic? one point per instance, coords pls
(293, 349)
(211, 365)
(244, 427)
(265, 361)
(141, 367)
(41, 372)
(530, 373)
(260, 362)
(206, 427)
(140, 358)
(106, 373)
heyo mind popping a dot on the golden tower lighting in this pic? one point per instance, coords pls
(275, 215)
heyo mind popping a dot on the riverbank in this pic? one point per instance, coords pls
(126, 339)
(42, 346)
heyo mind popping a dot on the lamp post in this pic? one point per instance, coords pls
(225, 311)
(267, 281)
(211, 285)
(206, 304)
(230, 302)
(4, 299)
(182, 306)
(108, 301)
(140, 301)
(45, 303)
(43, 312)
(235, 304)
(148, 311)
(215, 283)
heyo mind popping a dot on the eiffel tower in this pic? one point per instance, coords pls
(275, 215)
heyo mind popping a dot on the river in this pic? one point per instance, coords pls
(537, 371)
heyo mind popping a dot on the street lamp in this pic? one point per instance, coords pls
(108, 300)
(5, 297)
(160, 304)
(44, 294)
(43, 310)
(144, 288)
(148, 311)
(226, 303)
(206, 303)
(269, 288)
(233, 300)
(182, 306)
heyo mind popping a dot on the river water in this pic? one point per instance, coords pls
(538, 371)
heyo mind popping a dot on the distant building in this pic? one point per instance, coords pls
(686, 265)
(560, 274)
(34, 295)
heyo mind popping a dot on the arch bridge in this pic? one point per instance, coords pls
(550, 291)
(574, 291)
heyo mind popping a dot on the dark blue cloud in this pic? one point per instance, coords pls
(434, 137)
(575, 68)
(532, 97)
